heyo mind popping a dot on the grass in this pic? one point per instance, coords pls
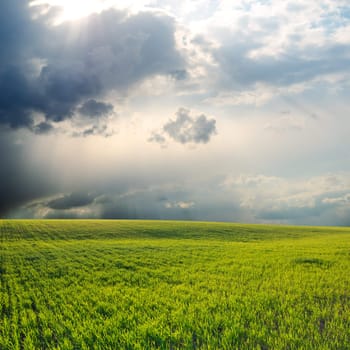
(173, 285)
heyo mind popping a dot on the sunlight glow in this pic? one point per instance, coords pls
(74, 9)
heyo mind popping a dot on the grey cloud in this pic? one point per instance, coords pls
(186, 129)
(71, 200)
(205, 200)
(93, 120)
(295, 62)
(240, 71)
(72, 213)
(328, 208)
(142, 204)
(203, 43)
(78, 61)
(291, 213)
(62, 88)
(15, 94)
(342, 200)
(181, 204)
(146, 204)
(17, 32)
(179, 74)
(20, 181)
(158, 138)
(42, 128)
(96, 129)
(64, 214)
(104, 199)
(93, 108)
(153, 203)
(324, 211)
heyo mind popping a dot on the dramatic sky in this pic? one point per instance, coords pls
(197, 110)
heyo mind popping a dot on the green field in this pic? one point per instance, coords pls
(173, 285)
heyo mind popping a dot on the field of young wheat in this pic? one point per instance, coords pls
(173, 285)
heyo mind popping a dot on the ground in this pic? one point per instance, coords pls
(71, 284)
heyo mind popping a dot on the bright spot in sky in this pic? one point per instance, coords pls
(75, 9)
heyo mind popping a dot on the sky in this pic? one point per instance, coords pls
(187, 110)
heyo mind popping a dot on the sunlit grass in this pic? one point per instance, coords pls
(173, 285)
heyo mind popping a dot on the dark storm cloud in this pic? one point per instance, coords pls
(156, 202)
(51, 70)
(17, 33)
(52, 73)
(71, 200)
(185, 129)
(199, 200)
(20, 182)
(142, 204)
(96, 109)
(15, 95)
(65, 215)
